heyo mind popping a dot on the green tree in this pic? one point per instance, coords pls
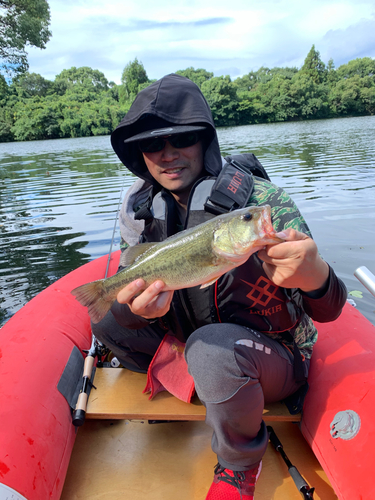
(22, 23)
(308, 98)
(133, 75)
(222, 98)
(3, 87)
(30, 85)
(368, 99)
(198, 76)
(314, 67)
(267, 102)
(113, 91)
(286, 72)
(89, 79)
(6, 124)
(37, 119)
(252, 107)
(246, 82)
(362, 67)
(89, 118)
(277, 100)
(262, 75)
(353, 96)
(332, 75)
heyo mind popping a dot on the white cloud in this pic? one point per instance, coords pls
(217, 35)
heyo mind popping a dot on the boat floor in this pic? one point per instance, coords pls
(115, 459)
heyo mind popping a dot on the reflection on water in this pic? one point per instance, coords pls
(58, 199)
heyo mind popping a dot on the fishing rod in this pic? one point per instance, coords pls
(97, 350)
(305, 490)
(366, 278)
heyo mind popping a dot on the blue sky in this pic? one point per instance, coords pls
(226, 37)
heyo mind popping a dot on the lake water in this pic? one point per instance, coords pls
(59, 198)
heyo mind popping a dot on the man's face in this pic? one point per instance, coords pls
(176, 169)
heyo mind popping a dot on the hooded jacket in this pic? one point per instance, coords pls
(172, 100)
(175, 100)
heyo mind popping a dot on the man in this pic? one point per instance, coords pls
(249, 337)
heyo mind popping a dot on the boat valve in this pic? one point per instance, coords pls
(345, 425)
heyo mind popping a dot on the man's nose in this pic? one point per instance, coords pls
(170, 152)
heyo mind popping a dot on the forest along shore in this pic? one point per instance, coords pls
(80, 102)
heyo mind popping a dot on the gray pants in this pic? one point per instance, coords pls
(236, 371)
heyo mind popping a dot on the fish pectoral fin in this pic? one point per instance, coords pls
(208, 283)
(232, 257)
(237, 259)
(131, 254)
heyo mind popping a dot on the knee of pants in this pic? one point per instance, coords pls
(212, 363)
(105, 329)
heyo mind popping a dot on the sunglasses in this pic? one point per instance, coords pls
(178, 141)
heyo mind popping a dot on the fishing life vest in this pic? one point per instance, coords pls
(244, 295)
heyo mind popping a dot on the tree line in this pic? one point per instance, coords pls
(81, 102)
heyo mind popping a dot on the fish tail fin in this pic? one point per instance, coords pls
(94, 297)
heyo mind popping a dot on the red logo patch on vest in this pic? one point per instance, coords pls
(236, 181)
(261, 293)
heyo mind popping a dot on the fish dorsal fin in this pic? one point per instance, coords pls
(131, 254)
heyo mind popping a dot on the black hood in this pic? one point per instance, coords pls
(173, 100)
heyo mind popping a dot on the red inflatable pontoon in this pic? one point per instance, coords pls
(338, 418)
(36, 431)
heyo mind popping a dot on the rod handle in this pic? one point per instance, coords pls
(297, 478)
(79, 414)
(88, 366)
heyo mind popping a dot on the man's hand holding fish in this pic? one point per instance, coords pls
(149, 302)
(296, 263)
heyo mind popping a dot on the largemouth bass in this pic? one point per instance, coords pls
(196, 256)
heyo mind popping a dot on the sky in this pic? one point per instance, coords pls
(225, 37)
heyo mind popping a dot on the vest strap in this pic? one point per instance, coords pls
(232, 189)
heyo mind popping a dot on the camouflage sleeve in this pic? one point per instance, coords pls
(284, 211)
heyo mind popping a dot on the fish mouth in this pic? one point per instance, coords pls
(266, 230)
(267, 236)
(272, 240)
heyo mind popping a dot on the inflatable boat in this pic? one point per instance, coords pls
(130, 447)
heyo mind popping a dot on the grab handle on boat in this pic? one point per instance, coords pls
(306, 492)
(366, 278)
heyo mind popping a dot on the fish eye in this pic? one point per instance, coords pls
(247, 217)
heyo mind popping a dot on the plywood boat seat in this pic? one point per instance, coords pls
(118, 395)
